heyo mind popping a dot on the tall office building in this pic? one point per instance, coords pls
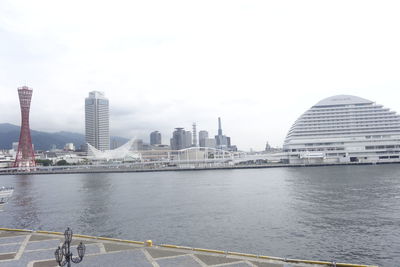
(203, 135)
(219, 126)
(181, 139)
(220, 139)
(178, 139)
(97, 127)
(194, 134)
(155, 138)
(137, 145)
(188, 137)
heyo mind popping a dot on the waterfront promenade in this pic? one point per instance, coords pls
(36, 249)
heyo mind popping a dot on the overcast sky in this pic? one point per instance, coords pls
(164, 64)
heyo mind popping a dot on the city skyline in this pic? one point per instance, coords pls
(256, 64)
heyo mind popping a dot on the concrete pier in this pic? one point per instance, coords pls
(36, 249)
(123, 169)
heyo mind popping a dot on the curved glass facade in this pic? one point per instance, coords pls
(344, 128)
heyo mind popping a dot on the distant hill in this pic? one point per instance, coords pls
(9, 133)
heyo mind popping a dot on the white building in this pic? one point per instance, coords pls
(97, 130)
(69, 147)
(121, 153)
(344, 128)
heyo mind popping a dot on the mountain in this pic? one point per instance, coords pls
(9, 133)
(7, 127)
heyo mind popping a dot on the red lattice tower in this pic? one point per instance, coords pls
(25, 158)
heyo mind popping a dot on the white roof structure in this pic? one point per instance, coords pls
(122, 152)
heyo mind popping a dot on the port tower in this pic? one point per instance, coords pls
(25, 158)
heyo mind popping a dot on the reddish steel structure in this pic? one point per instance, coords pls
(25, 158)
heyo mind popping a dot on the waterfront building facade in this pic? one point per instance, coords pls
(97, 128)
(155, 138)
(344, 129)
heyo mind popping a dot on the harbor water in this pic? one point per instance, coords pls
(338, 213)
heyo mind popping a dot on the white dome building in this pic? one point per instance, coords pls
(344, 128)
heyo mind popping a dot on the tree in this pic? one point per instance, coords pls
(62, 162)
(44, 162)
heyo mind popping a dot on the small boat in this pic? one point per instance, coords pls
(5, 194)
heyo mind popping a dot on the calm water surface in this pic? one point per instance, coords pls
(349, 214)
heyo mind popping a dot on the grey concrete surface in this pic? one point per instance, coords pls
(16, 250)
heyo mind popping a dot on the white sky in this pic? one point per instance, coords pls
(164, 64)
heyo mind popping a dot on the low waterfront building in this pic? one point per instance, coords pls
(344, 129)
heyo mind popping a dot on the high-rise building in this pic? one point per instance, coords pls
(115, 143)
(97, 128)
(181, 139)
(25, 157)
(204, 141)
(220, 139)
(219, 126)
(344, 128)
(137, 145)
(194, 134)
(209, 142)
(203, 135)
(155, 138)
(178, 139)
(188, 137)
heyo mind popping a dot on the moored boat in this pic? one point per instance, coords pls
(5, 194)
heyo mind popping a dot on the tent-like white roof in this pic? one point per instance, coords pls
(121, 152)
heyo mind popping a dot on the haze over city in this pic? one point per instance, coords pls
(257, 65)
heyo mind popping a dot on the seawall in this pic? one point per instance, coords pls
(115, 169)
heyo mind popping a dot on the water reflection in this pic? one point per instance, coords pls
(352, 208)
(24, 203)
(95, 192)
(349, 214)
